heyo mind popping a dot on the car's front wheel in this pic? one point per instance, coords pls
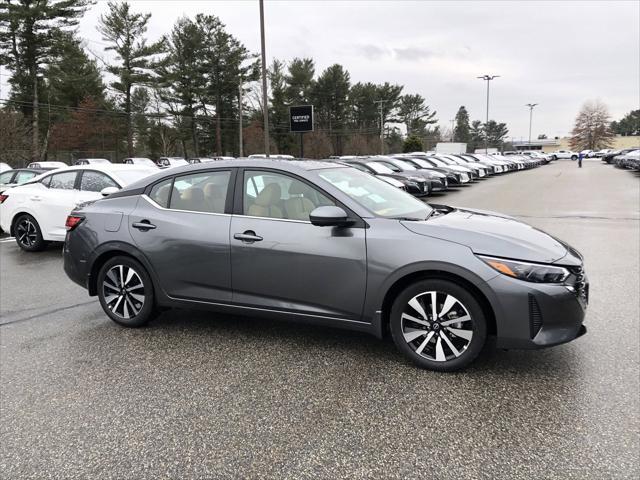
(574, 157)
(126, 292)
(28, 233)
(438, 325)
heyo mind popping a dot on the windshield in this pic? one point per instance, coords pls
(422, 163)
(376, 196)
(438, 162)
(379, 168)
(404, 165)
(129, 176)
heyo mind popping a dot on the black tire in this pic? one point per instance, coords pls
(554, 157)
(475, 327)
(28, 234)
(574, 158)
(133, 306)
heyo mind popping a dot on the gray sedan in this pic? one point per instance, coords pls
(326, 244)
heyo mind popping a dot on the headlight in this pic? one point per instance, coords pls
(529, 272)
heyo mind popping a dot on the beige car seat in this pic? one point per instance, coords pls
(213, 198)
(297, 206)
(266, 203)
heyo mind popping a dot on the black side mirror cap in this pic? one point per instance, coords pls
(330, 216)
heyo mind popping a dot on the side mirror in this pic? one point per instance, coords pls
(105, 192)
(329, 216)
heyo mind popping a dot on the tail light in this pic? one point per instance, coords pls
(3, 198)
(72, 222)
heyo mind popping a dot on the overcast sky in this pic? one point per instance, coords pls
(557, 54)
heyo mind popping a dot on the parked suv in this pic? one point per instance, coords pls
(324, 243)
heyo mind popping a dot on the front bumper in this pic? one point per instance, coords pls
(533, 315)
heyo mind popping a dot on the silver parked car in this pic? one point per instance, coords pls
(325, 243)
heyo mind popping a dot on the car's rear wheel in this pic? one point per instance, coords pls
(28, 234)
(126, 292)
(574, 157)
(438, 325)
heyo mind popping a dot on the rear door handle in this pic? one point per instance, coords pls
(143, 225)
(248, 237)
(36, 198)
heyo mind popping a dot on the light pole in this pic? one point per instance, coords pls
(265, 105)
(452, 129)
(530, 105)
(487, 78)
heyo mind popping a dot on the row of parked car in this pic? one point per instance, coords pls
(35, 201)
(625, 158)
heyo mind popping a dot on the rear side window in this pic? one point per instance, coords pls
(63, 181)
(95, 181)
(160, 192)
(201, 192)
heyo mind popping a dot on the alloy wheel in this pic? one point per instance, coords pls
(26, 232)
(437, 326)
(124, 292)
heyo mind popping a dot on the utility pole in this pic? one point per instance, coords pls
(240, 152)
(452, 135)
(265, 105)
(488, 79)
(381, 102)
(35, 141)
(530, 105)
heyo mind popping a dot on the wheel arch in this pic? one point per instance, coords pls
(435, 273)
(115, 249)
(16, 216)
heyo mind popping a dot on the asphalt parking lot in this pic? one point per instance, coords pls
(196, 395)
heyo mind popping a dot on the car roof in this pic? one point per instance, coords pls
(291, 166)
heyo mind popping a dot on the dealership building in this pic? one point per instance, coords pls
(552, 144)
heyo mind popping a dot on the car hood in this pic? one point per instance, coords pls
(490, 233)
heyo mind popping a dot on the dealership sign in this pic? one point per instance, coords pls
(301, 118)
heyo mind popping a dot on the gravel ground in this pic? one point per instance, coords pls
(201, 396)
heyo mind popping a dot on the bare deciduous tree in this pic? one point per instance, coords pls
(14, 138)
(591, 130)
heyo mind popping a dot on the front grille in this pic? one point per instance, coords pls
(535, 316)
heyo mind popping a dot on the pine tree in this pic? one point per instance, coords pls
(299, 80)
(462, 130)
(181, 80)
(135, 59)
(331, 96)
(415, 114)
(28, 43)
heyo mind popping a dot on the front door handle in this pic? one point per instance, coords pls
(248, 237)
(36, 198)
(143, 225)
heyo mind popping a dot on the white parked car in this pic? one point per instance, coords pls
(146, 162)
(47, 165)
(91, 161)
(4, 167)
(276, 156)
(563, 154)
(209, 159)
(603, 152)
(169, 162)
(35, 212)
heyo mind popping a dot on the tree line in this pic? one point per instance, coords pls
(189, 92)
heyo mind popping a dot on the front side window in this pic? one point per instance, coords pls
(404, 165)
(200, 192)
(63, 181)
(275, 195)
(376, 196)
(95, 181)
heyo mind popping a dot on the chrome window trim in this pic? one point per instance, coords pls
(160, 207)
